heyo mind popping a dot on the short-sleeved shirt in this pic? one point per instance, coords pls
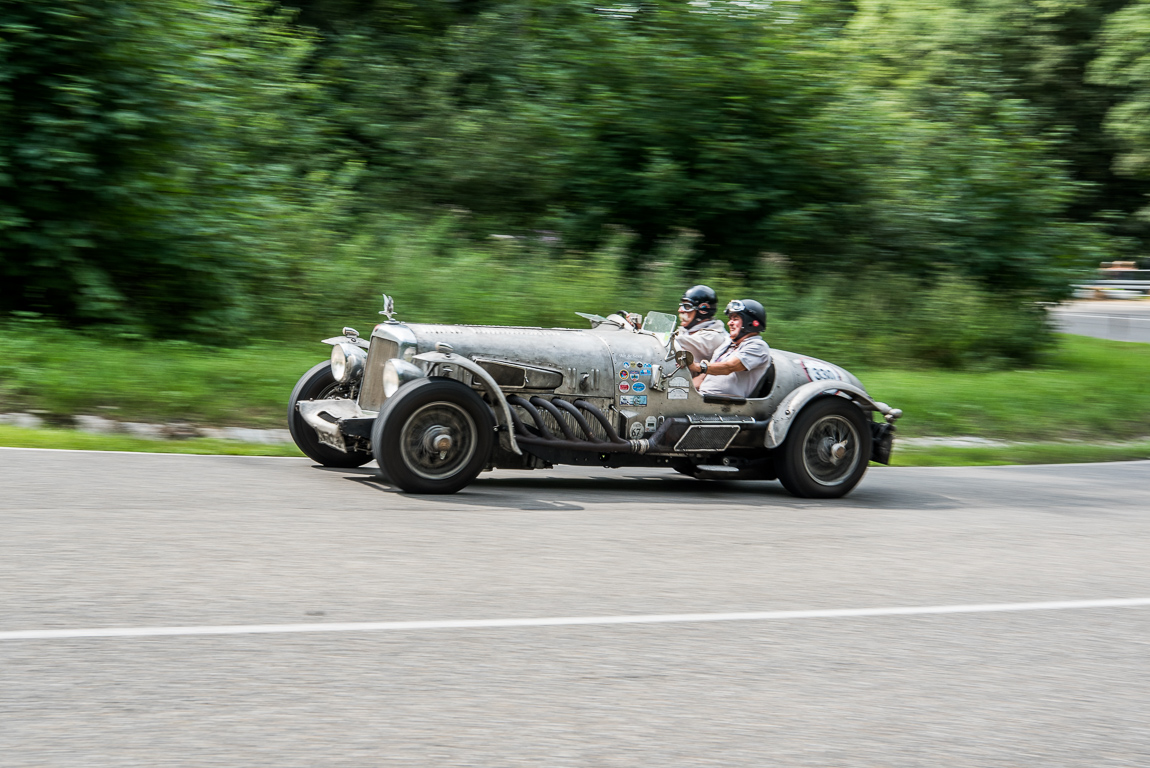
(703, 339)
(755, 356)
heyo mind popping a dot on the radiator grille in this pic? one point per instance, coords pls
(371, 391)
(707, 437)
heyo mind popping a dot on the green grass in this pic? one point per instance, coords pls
(48, 369)
(1089, 389)
(1019, 453)
(17, 437)
(1023, 453)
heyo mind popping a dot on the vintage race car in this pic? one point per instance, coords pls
(435, 405)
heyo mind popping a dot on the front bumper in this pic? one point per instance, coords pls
(339, 423)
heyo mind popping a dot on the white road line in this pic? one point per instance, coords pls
(671, 618)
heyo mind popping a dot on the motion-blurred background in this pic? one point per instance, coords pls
(904, 185)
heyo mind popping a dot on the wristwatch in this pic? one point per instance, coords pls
(703, 366)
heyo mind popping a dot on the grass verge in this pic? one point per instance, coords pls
(1088, 390)
(935, 456)
(1019, 453)
(48, 369)
(18, 437)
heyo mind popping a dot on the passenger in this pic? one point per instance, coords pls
(737, 367)
(699, 332)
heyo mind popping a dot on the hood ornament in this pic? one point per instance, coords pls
(388, 308)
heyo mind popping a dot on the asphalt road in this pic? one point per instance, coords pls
(1117, 320)
(120, 540)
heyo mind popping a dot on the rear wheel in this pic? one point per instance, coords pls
(827, 450)
(433, 436)
(319, 384)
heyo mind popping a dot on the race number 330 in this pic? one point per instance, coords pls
(820, 371)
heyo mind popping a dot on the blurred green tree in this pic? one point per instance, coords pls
(1036, 52)
(1124, 65)
(147, 153)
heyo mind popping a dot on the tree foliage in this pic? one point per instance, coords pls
(145, 156)
(186, 164)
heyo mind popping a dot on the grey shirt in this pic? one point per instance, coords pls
(755, 356)
(703, 339)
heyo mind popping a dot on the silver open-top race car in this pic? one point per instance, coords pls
(435, 405)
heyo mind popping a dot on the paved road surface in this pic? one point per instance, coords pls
(1118, 320)
(113, 540)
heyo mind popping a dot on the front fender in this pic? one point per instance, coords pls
(361, 343)
(503, 409)
(784, 415)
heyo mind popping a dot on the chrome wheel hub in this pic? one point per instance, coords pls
(438, 440)
(831, 450)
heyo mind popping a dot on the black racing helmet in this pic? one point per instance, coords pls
(753, 313)
(702, 299)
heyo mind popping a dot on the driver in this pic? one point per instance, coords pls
(737, 366)
(699, 332)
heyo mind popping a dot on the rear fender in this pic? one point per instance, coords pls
(784, 415)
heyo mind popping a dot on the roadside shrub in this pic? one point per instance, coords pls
(869, 319)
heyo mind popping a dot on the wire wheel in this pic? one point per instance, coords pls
(831, 450)
(826, 451)
(434, 435)
(438, 440)
(319, 384)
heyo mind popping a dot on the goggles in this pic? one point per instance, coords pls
(687, 306)
(736, 306)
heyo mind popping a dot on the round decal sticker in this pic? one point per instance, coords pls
(624, 386)
(624, 374)
(638, 386)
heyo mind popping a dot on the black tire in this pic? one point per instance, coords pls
(420, 412)
(805, 464)
(319, 384)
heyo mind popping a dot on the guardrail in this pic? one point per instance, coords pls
(1103, 326)
(1117, 286)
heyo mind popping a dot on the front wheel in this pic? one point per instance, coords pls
(319, 384)
(826, 451)
(433, 436)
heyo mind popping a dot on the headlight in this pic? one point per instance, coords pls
(398, 372)
(347, 362)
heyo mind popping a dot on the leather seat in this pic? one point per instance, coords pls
(762, 390)
(767, 382)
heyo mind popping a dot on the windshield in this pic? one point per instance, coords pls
(660, 322)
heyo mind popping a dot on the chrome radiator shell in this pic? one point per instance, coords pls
(371, 395)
